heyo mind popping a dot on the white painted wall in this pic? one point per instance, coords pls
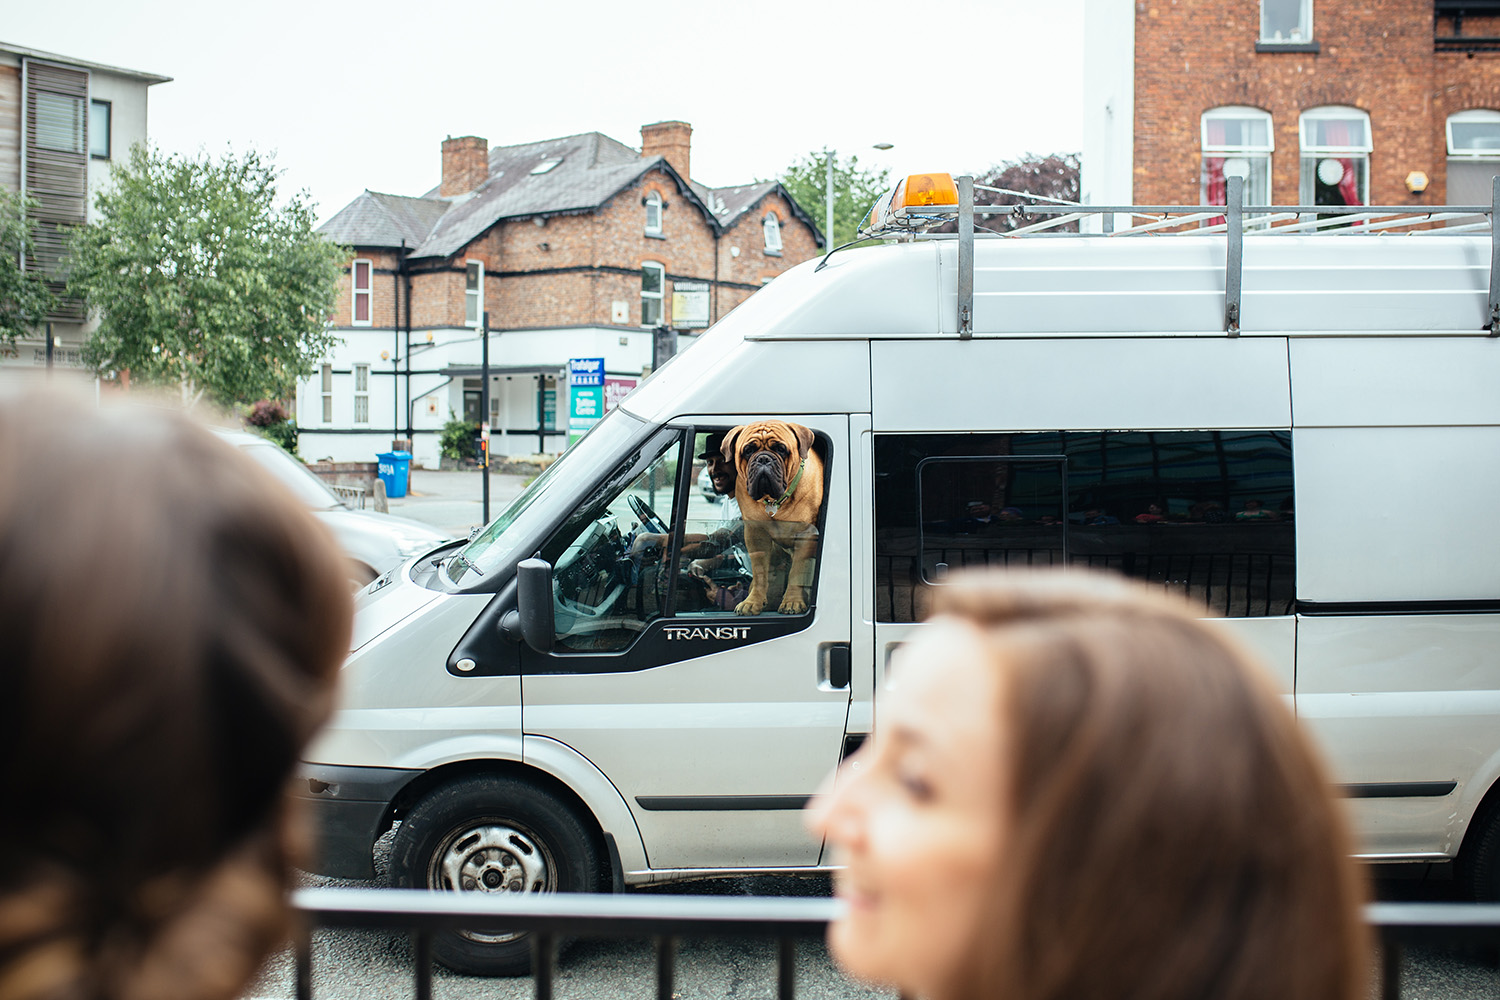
(1108, 106)
(436, 397)
(127, 99)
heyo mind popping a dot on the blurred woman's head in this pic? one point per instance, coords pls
(173, 623)
(1078, 790)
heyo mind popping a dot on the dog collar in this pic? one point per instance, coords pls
(772, 506)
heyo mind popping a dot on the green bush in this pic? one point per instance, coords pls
(284, 434)
(269, 419)
(458, 438)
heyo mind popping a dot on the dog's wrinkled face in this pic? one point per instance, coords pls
(767, 454)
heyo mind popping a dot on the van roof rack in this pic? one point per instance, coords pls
(1237, 221)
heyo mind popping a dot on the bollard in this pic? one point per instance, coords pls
(381, 506)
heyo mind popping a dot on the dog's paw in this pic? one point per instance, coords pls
(792, 606)
(749, 606)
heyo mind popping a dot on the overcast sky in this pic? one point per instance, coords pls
(351, 96)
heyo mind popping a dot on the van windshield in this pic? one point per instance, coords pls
(581, 465)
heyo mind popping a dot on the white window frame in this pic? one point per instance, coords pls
(653, 208)
(325, 384)
(474, 297)
(1457, 152)
(658, 296)
(771, 229)
(356, 293)
(1315, 152)
(1306, 27)
(1256, 155)
(361, 393)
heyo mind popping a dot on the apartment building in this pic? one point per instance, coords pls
(63, 124)
(1329, 102)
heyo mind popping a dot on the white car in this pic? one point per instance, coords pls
(372, 541)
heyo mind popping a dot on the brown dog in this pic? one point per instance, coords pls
(780, 491)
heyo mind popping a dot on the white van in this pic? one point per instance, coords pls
(1300, 429)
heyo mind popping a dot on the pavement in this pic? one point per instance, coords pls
(452, 501)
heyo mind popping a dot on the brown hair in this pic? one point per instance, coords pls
(1173, 834)
(173, 623)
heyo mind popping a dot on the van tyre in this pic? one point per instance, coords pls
(1479, 865)
(492, 835)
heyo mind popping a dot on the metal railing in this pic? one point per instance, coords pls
(550, 918)
(354, 496)
(665, 919)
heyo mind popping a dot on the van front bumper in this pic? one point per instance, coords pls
(351, 808)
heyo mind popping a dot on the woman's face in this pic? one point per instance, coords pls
(917, 816)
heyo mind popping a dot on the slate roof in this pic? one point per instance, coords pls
(384, 220)
(729, 203)
(590, 170)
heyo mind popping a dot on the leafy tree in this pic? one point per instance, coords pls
(202, 281)
(855, 189)
(1052, 176)
(25, 300)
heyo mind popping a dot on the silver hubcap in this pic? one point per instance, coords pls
(493, 858)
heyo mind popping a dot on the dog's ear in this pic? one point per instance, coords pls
(804, 439)
(731, 441)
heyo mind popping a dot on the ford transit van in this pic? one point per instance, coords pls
(1298, 428)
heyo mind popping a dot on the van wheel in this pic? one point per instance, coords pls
(1479, 865)
(492, 835)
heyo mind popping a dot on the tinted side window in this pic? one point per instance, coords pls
(1206, 513)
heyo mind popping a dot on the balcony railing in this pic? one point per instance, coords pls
(786, 920)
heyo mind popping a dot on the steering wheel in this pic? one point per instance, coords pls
(648, 517)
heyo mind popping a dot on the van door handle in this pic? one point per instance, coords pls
(836, 664)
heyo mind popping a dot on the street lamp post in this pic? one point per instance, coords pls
(828, 155)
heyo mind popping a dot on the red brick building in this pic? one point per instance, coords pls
(1312, 101)
(576, 247)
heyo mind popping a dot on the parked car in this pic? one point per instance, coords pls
(706, 485)
(373, 542)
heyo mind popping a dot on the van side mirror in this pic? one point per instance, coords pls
(534, 604)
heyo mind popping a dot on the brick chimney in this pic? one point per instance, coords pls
(466, 165)
(673, 140)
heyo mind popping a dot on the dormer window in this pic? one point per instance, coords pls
(653, 214)
(772, 227)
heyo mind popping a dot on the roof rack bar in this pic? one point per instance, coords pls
(938, 210)
(965, 256)
(1052, 223)
(1234, 252)
(1174, 221)
(1494, 314)
(1467, 227)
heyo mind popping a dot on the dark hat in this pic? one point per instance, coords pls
(713, 445)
